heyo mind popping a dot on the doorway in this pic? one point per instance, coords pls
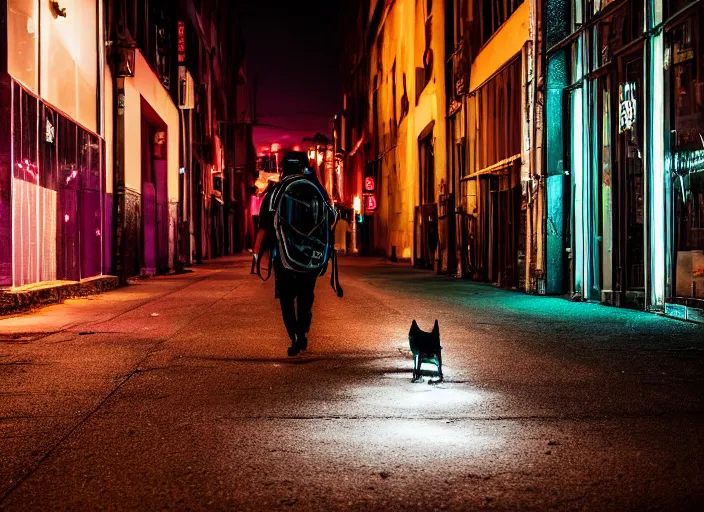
(155, 214)
(426, 218)
(631, 176)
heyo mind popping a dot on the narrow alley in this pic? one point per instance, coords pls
(176, 392)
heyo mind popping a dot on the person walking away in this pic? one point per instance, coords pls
(255, 203)
(295, 288)
(342, 227)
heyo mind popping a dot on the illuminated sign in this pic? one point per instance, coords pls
(628, 108)
(369, 184)
(689, 161)
(370, 202)
(181, 42)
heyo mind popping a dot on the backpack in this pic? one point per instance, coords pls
(303, 225)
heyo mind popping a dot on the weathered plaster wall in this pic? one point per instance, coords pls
(403, 42)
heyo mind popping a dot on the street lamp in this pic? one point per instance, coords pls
(123, 59)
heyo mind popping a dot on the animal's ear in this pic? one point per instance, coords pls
(436, 328)
(414, 324)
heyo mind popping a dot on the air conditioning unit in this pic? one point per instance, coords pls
(186, 94)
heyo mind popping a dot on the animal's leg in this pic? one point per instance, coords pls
(440, 379)
(416, 368)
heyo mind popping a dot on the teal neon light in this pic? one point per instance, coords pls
(658, 241)
(578, 187)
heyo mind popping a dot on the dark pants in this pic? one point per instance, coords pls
(296, 296)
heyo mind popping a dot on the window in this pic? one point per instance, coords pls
(496, 113)
(492, 14)
(21, 41)
(687, 99)
(424, 54)
(394, 118)
(674, 6)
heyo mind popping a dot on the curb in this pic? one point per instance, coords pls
(21, 299)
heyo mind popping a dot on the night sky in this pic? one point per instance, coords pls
(292, 49)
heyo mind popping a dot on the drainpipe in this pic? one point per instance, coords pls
(118, 263)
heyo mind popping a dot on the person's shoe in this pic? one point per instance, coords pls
(294, 350)
(302, 342)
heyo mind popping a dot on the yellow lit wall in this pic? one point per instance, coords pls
(145, 84)
(502, 47)
(403, 42)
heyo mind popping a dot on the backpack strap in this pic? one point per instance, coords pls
(335, 276)
(259, 258)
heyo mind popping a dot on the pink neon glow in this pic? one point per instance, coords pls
(66, 218)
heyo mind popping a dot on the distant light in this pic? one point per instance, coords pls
(357, 205)
(275, 147)
(296, 148)
(66, 218)
(182, 170)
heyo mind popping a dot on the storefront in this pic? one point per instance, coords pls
(52, 170)
(599, 153)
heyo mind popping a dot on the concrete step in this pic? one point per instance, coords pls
(23, 298)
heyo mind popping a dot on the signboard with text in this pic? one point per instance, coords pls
(627, 106)
(181, 42)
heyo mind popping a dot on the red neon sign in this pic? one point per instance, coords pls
(371, 203)
(181, 41)
(369, 184)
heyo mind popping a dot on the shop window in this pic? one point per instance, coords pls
(69, 47)
(686, 75)
(90, 171)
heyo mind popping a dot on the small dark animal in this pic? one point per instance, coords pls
(426, 348)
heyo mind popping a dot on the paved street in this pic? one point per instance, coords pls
(176, 392)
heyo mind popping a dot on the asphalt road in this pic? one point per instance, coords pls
(176, 393)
